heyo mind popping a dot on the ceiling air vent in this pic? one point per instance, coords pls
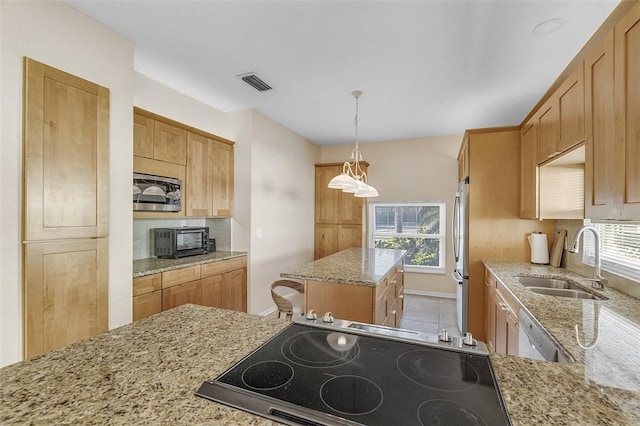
(254, 81)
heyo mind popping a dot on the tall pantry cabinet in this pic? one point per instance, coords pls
(65, 211)
(339, 216)
(492, 158)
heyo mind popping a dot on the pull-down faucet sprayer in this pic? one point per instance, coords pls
(598, 280)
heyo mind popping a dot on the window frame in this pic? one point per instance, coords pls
(441, 236)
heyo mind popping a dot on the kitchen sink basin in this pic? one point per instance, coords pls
(564, 292)
(545, 282)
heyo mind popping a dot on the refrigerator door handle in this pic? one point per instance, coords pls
(455, 234)
(456, 276)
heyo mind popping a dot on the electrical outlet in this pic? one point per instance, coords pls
(259, 233)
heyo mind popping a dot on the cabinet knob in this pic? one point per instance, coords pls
(392, 312)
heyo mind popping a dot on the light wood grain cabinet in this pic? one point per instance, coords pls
(65, 208)
(142, 136)
(222, 178)
(65, 293)
(529, 171)
(612, 166)
(561, 119)
(339, 216)
(382, 304)
(501, 317)
(169, 143)
(219, 284)
(199, 184)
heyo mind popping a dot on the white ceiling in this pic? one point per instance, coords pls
(427, 68)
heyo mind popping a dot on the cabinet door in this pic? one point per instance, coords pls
(147, 304)
(548, 130)
(489, 316)
(327, 199)
(234, 290)
(169, 143)
(222, 179)
(326, 240)
(65, 293)
(349, 236)
(212, 291)
(529, 171)
(66, 155)
(513, 335)
(571, 109)
(600, 157)
(501, 325)
(142, 136)
(627, 113)
(177, 295)
(199, 185)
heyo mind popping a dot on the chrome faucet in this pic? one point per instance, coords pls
(598, 281)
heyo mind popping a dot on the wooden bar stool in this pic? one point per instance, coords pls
(289, 297)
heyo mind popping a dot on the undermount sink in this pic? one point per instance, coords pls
(564, 292)
(545, 282)
(556, 287)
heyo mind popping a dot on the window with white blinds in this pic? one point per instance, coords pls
(619, 251)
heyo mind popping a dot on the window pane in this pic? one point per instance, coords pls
(407, 219)
(420, 251)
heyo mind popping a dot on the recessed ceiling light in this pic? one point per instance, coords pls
(548, 26)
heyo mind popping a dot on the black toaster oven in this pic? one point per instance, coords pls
(174, 243)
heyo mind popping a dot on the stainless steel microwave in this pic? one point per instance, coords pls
(156, 193)
(180, 242)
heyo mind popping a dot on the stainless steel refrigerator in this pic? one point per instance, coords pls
(460, 233)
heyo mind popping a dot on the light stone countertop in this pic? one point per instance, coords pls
(154, 265)
(610, 370)
(147, 373)
(355, 266)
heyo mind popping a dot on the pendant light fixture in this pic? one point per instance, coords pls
(353, 179)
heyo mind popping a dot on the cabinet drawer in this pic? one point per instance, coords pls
(221, 266)
(146, 305)
(147, 284)
(382, 287)
(180, 276)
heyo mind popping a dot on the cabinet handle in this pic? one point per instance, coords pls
(401, 296)
(394, 281)
(392, 312)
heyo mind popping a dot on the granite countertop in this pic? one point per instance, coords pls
(153, 265)
(142, 373)
(355, 266)
(147, 373)
(611, 368)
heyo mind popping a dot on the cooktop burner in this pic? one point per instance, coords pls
(328, 375)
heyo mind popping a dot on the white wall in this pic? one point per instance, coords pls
(412, 170)
(59, 36)
(282, 206)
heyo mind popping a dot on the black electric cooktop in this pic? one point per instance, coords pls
(329, 376)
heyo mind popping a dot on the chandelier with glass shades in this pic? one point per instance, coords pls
(353, 179)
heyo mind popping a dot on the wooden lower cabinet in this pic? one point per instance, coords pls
(382, 304)
(332, 238)
(66, 293)
(501, 317)
(147, 304)
(220, 284)
(181, 294)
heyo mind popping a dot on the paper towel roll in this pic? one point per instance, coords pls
(539, 248)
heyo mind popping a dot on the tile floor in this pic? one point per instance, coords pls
(429, 315)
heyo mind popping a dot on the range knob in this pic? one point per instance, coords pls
(311, 315)
(444, 336)
(469, 340)
(327, 317)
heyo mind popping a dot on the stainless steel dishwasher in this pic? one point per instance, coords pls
(533, 341)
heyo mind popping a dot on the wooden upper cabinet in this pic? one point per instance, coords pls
(142, 136)
(66, 155)
(463, 159)
(561, 118)
(222, 179)
(627, 113)
(571, 110)
(169, 143)
(327, 199)
(548, 130)
(65, 293)
(529, 171)
(600, 156)
(199, 183)
(349, 206)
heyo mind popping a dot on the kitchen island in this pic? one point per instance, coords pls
(147, 373)
(365, 285)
